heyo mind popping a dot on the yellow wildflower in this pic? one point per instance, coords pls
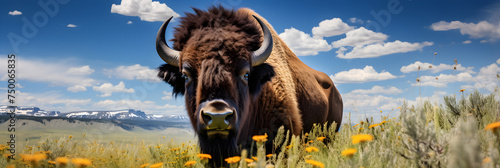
(493, 126)
(321, 138)
(269, 155)
(249, 160)
(486, 160)
(189, 163)
(355, 125)
(260, 138)
(349, 152)
(462, 90)
(144, 165)
(34, 158)
(312, 149)
(361, 138)
(315, 163)
(51, 162)
(373, 125)
(255, 158)
(383, 122)
(289, 146)
(234, 159)
(156, 165)
(203, 156)
(62, 160)
(81, 162)
(70, 136)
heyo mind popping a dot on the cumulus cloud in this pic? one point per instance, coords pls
(149, 106)
(483, 29)
(370, 102)
(356, 20)
(467, 42)
(83, 70)
(147, 10)
(331, 27)
(15, 12)
(377, 90)
(134, 72)
(360, 36)
(443, 79)
(107, 89)
(303, 44)
(168, 95)
(129, 22)
(71, 25)
(55, 73)
(498, 61)
(49, 101)
(424, 66)
(367, 74)
(376, 50)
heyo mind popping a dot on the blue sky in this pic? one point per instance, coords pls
(82, 55)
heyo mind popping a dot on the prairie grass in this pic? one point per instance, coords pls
(458, 133)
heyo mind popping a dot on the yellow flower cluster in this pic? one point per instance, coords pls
(360, 138)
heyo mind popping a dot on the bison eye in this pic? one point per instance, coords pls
(186, 76)
(246, 76)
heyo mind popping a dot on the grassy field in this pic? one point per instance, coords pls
(461, 132)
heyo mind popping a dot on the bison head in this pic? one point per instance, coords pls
(217, 63)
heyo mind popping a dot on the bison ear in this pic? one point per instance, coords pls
(172, 76)
(259, 76)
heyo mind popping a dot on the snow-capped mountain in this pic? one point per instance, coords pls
(29, 111)
(125, 114)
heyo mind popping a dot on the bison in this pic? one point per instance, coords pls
(240, 79)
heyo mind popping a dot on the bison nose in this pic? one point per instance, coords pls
(216, 120)
(217, 115)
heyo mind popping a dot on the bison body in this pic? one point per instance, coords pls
(240, 79)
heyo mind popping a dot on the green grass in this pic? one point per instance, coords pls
(451, 134)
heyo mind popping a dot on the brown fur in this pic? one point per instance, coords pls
(216, 44)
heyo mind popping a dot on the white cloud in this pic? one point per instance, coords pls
(369, 103)
(168, 95)
(83, 70)
(498, 61)
(56, 73)
(15, 12)
(424, 66)
(71, 25)
(77, 88)
(467, 42)
(49, 101)
(332, 27)
(378, 90)
(134, 72)
(147, 10)
(483, 41)
(376, 50)
(108, 89)
(367, 74)
(303, 44)
(360, 36)
(443, 79)
(356, 20)
(149, 107)
(483, 29)
(129, 22)
(486, 78)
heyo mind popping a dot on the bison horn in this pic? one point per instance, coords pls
(260, 55)
(166, 53)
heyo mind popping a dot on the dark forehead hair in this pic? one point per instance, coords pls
(218, 19)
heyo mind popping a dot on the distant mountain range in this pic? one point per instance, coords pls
(126, 114)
